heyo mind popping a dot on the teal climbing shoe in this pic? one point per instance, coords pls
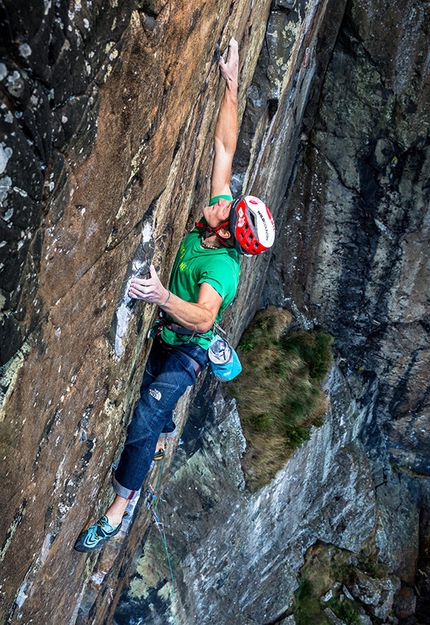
(96, 536)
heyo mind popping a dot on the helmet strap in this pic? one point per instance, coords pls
(210, 230)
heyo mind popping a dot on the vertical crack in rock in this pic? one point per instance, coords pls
(138, 267)
(105, 105)
(9, 373)
(12, 529)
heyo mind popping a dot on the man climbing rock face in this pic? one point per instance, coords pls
(203, 283)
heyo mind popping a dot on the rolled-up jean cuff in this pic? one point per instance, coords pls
(126, 493)
(169, 435)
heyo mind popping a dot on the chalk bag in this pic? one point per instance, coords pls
(224, 361)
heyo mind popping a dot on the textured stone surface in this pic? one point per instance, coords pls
(352, 256)
(239, 554)
(356, 240)
(377, 594)
(106, 119)
(333, 618)
(405, 603)
(357, 219)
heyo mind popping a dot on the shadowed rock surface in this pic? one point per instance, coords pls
(106, 128)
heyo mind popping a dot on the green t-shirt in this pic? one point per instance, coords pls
(194, 265)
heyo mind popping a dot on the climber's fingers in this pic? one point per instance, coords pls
(229, 68)
(148, 289)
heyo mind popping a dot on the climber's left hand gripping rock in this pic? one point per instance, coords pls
(149, 290)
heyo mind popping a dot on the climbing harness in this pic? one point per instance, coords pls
(155, 333)
(175, 327)
(161, 322)
(223, 359)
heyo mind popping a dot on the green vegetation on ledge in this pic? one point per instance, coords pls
(323, 583)
(279, 393)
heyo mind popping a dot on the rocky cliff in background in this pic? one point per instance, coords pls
(360, 208)
(107, 119)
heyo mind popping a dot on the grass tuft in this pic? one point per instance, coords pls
(307, 610)
(327, 568)
(279, 393)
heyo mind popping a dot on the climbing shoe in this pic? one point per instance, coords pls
(96, 536)
(159, 455)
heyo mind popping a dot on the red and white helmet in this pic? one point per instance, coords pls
(252, 225)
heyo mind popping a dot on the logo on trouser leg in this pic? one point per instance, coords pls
(155, 394)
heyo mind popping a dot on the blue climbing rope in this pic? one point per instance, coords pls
(153, 504)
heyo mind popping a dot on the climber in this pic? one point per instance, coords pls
(204, 280)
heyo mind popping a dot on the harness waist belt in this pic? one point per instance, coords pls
(175, 327)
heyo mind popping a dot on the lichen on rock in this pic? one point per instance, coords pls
(106, 126)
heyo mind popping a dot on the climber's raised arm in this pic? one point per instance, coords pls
(226, 129)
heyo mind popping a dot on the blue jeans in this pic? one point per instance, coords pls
(168, 374)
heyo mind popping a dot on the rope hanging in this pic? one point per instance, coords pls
(152, 504)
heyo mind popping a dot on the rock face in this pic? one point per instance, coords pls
(377, 594)
(243, 564)
(107, 119)
(352, 257)
(360, 203)
(358, 211)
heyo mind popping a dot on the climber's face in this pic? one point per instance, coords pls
(218, 213)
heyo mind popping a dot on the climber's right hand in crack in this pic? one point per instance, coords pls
(149, 290)
(229, 69)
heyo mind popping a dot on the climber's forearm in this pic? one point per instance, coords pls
(226, 129)
(198, 316)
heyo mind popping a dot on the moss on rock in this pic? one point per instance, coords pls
(279, 392)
